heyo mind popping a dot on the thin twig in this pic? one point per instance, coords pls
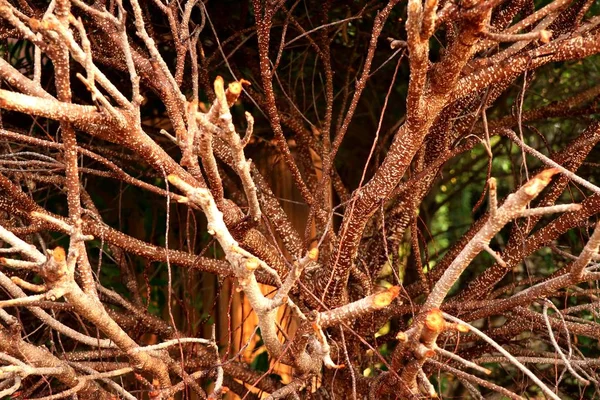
(506, 354)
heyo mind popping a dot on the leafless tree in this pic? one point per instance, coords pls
(128, 93)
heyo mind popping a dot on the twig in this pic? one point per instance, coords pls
(557, 347)
(494, 254)
(506, 354)
(461, 374)
(512, 208)
(541, 35)
(588, 252)
(461, 360)
(23, 247)
(16, 385)
(168, 343)
(219, 381)
(551, 162)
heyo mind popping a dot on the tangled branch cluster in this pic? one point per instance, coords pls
(129, 92)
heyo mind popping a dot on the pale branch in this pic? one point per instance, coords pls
(493, 197)
(506, 354)
(58, 273)
(526, 22)
(512, 208)
(66, 393)
(33, 300)
(425, 386)
(53, 109)
(62, 225)
(16, 292)
(20, 264)
(26, 249)
(100, 13)
(116, 387)
(586, 255)
(292, 277)
(555, 343)
(541, 35)
(51, 26)
(28, 286)
(115, 237)
(355, 310)
(592, 363)
(93, 311)
(16, 385)
(244, 264)
(249, 129)
(169, 343)
(560, 208)
(241, 165)
(40, 357)
(219, 388)
(154, 53)
(494, 254)
(24, 370)
(204, 139)
(471, 378)
(550, 162)
(522, 41)
(445, 353)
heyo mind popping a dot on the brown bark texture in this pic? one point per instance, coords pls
(275, 199)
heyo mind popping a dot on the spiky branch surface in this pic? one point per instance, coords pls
(103, 97)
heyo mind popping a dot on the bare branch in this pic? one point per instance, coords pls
(506, 354)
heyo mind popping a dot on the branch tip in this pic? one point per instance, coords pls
(395, 43)
(383, 299)
(219, 84)
(235, 88)
(252, 264)
(58, 254)
(545, 36)
(539, 182)
(414, 7)
(435, 320)
(219, 87)
(313, 254)
(173, 179)
(316, 327)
